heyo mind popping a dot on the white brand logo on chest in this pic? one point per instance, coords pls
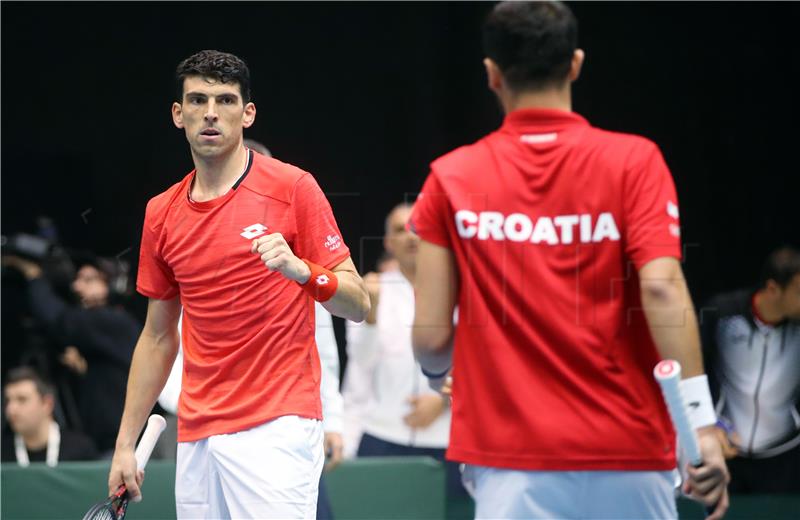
(253, 231)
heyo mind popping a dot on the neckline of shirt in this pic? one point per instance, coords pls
(549, 118)
(213, 203)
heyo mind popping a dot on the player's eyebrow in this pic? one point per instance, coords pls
(203, 95)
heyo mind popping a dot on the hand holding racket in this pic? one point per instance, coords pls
(115, 506)
(708, 476)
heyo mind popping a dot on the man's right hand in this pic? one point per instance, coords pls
(123, 471)
(708, 484)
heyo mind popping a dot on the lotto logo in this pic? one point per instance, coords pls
(323, 279)
(253, 231)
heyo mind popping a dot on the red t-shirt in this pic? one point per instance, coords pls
(549, 220)
(248, 333)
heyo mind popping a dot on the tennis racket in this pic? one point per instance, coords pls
(668, 375)
(115, 506)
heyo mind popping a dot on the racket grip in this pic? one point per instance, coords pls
(155, 425)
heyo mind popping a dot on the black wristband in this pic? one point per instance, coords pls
(431, 375)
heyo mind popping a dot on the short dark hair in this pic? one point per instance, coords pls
(20, 374)
(531, 42)
(220, 66)
(781, 266)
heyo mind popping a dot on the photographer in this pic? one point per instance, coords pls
(98, 339)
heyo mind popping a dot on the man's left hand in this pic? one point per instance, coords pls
(425, 409)
(708, 484)
(278, 256)
(334, 447)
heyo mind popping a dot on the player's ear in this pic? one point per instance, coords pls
(249, 115)
(493, 75)
(177, 114)
(576, 64)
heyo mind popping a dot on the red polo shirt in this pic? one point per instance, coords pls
(549, 220)
(248, 333)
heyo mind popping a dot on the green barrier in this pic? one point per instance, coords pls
(387, 488)
(748, 507)
(374, 488)
(67, 491)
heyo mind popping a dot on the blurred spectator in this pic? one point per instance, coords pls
(751, 341)
(36, 437)
(97, 338)
(357, 381)
(397, 411)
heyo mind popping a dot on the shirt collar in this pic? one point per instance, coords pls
(541, 119)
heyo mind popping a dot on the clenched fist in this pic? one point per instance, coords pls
(277, 256)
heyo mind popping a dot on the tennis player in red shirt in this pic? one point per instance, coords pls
(246, 244)
(559, 243)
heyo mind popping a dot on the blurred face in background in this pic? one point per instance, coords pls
(26, 409)
(213, 115)
(787, 298)
(399, 242)
(91, 286)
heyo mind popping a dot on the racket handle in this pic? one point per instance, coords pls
(155, 425)
(668, 375)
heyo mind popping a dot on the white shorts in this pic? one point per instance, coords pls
(503, 493)
(270, 471)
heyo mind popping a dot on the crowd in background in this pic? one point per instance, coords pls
(68, 341)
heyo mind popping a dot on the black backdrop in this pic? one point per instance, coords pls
(365, 95)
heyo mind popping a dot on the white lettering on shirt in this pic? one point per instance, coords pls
(519, 227)
(466, 221)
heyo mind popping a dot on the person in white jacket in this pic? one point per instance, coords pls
(390, 408)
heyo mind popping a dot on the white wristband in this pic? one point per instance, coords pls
(697, 401)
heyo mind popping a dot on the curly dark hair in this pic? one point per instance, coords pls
(220, 66)
(532, 42)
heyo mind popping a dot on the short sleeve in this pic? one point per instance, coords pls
(318, 237)
(652, 219)
(431, 214)
(155, 278)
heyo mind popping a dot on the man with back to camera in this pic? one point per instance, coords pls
(249, 430)
(560, 244)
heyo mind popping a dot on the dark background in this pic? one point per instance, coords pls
(365, 95)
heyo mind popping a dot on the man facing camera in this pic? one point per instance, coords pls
(37, 437)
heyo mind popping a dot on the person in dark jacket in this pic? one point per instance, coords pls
(98, 340)
(35, 435)
(751, 342)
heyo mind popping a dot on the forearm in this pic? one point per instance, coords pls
(436, 285)
(671, 319)
(151, 364)
(351, 300)
(433, 346)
